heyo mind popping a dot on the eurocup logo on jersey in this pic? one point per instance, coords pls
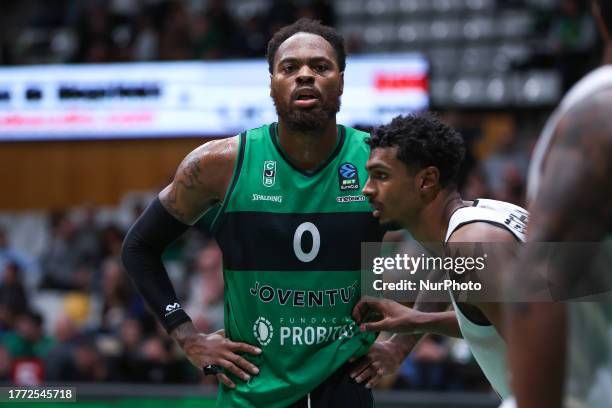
(269, 173)
(263, 331)
(348, 177)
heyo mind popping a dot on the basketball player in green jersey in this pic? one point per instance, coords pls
(287, 211)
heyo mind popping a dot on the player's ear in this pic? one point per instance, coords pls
(341, 82)
(428, 179)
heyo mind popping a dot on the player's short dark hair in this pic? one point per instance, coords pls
(306, 25)
(422, 141)
(605, 8)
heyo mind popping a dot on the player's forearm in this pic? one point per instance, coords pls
(405, 343)
(141, 255)
(436, 318)
(536, 353)
(443, 323)
(182, 332)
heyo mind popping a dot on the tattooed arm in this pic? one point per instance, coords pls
(573, 204)
(201, 180)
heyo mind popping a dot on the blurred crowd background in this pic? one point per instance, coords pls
(67, 309)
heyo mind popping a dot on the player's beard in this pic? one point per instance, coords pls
(307, 120)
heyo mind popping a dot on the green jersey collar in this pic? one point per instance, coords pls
(316, 170)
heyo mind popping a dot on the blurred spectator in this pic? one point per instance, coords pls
(253, 37)
(572, 37)
(118, 296)
(131, 338)
(86, 364)
(149, 360)
(215, 33)
(61, 264)
(127, 364)
(87, 242)
(124, 30)
(29, 339)
(23, 261)
(476, 185)
(94, 34)
(321, 10)
(207, 39)
(77, 307)
(439, 364)
(60, 357)
(206, 296)
(175, 37)
(112, 239)
(7, 32)
(146, 38)
(5, 365)
(506, 168)
(66, 329)
(7, 319)
(427, 367)
(159, 364)
(12, 291)
(513, 190)
(279, 14)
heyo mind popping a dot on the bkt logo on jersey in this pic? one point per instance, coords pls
(269, 173)
(348, 177)
(263, 331)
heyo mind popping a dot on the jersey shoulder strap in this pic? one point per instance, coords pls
(500, 213)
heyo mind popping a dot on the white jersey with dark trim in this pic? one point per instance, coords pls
(506, 215)
(486, 344)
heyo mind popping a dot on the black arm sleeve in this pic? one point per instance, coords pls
(142, 248)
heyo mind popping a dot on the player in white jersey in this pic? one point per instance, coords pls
(412, 170)
(566, 360)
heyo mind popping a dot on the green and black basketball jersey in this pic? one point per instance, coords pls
(291, 255)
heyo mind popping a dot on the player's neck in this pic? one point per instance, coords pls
(307, 150)
(435, 216)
